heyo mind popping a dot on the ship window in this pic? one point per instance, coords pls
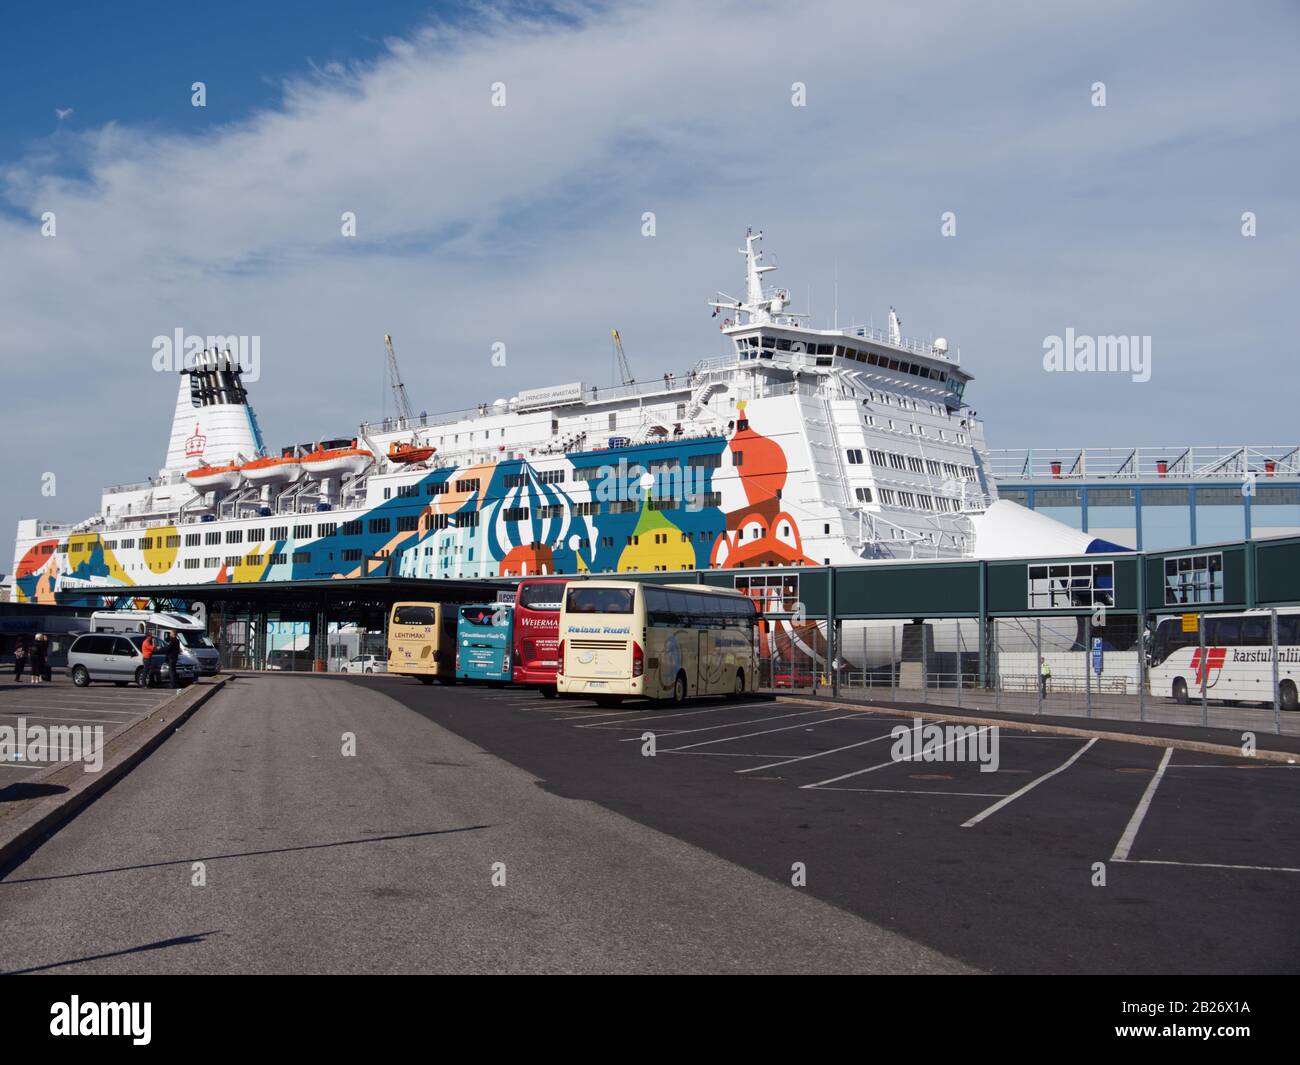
(352, 528)
(769, 343)
(863, 494)
(783, 344)
(855, 456)
(302, 532)
(191, 540)
(327, 528)
(234, 536)
(379, 525)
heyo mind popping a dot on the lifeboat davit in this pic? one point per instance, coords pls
(410, 452)
(210, 477)
(271, 469)
(325, 461)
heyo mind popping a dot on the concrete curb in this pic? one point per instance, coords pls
(1282, 757)
(27, 822)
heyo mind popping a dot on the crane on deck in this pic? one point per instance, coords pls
(621, 364)
(400, 398)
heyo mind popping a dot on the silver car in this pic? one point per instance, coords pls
(116, 657)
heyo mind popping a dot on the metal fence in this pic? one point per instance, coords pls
(1209, 669)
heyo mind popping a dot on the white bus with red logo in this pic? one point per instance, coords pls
(537, 633)
(1237, 663)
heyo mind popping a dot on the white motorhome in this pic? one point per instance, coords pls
(188, 629)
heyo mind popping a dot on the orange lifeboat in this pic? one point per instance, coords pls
(206, 478)
(327, 459)
(271, 469)
(406, 453)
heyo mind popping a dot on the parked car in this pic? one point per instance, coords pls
(366, 664)
(299, 661)
(788, 678)
(117, 658)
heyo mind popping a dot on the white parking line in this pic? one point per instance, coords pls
(733, 724)
(918, 791)
(647, 709)
(764, 732)
(76, 720)
(716, 754)
(80, 709)
(1029, 787)
(1125, 843)
(1208, 865)
(819, 754)
(886, 765)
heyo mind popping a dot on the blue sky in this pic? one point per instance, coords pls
(521, 225)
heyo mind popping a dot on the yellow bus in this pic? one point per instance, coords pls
(660, 641)
(422, 642)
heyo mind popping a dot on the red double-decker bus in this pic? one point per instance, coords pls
(537, 632)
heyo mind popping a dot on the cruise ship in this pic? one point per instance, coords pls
(799, 446)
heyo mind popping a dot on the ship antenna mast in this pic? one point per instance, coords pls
(395, 383)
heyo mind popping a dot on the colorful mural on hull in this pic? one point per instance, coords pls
(659, 506)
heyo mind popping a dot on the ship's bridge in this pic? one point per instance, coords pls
(897, 360)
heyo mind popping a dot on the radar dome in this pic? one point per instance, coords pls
(941, 346)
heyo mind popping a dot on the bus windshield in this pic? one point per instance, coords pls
(546, 595)
(599, 600)
(413, 615)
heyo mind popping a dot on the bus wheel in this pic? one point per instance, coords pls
(426, 680)
(679, 689)
(1287, 692)
(1180, 690)
(740, 684)
(549, 692)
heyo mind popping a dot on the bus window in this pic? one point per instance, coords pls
(1288, 629)
(1255, 632)
(1222, 632)
(599, 601)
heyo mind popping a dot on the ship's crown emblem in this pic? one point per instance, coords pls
(195, 444)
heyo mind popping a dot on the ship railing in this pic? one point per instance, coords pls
(909, 344)
(1226, 462)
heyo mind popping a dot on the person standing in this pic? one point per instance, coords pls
(1044, 676)
(36, 658)
(20, 657)
(171, 652)
(147, 649)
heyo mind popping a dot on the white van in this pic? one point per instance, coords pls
(189, 630)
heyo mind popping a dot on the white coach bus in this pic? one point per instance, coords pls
(660, 641)
(1237, 666)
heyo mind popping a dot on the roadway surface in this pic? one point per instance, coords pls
(1200, 853)
(249, 842)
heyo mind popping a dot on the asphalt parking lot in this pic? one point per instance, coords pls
(62, 703)
(1070, 855)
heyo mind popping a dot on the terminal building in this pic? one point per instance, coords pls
(1157, 498)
